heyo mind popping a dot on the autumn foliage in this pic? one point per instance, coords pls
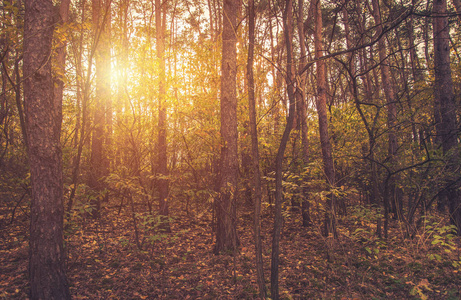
(230, 149)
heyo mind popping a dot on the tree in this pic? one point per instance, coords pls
(99, 159)
(61, 58)
(321, 104)
(301, 109)
(392, 193)
(257, 194)
(445, 108)
(47, 274)
(162, 162)
(290, 81)
(226, 231)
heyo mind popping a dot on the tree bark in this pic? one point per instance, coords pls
(257, 194)
(162, 162)
(290, 81)
(445, 107)
(61, 58)
(301, 109)
(389, 93)
(226, 231)
(99, 168)
(321, 103)
(46, 267)
(82, 109)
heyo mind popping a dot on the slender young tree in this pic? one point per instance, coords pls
(257, 194)
(301, 109)
(392, 192)
(47, 274)
(61, 57)
(83, 87)
(99, 159)
(321, 103)
(162, 162)
(290, 81)
(226, 231)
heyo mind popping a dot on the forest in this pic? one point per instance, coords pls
(230, 149)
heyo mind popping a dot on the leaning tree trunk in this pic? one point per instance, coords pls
(47, 275)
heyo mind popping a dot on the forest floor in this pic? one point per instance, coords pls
(105, 262)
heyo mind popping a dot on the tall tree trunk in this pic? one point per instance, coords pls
(445, 106)
(4, 54)
(226, 231)
(257, 194)
(162, 162)
(122, 65)
(47, 274)
(389, 93)
(290, 81)
(368, 90)
(302, 115)
(82, 103)
(321, 103)
(99, 159)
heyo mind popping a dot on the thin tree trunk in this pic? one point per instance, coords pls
(290, 80)
(17, 93)
(82, 100)
(61, 58)
(415, 67)
(389, 93)
(302, 116)
(61, 53)
(257, 194)
(99, 159)
(368, 89)
(19, 103)
(162, 162)
(426, 36)
(330, 214)
(4, 107)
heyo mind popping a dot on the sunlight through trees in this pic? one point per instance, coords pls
(142, 126)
